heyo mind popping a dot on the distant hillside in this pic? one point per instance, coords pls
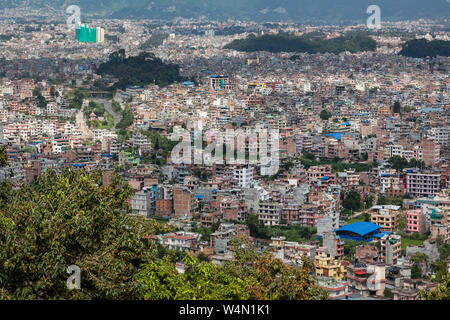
(288, 43)
(421, 48)
(260, 10)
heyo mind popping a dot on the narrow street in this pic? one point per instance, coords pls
(81, 123)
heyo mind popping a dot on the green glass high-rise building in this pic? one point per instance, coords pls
(85, 34)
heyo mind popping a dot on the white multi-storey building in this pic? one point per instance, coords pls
(244, 176)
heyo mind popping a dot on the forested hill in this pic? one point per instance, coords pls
(259, 10)
(421, 48)
(352, 42)
(139, 70)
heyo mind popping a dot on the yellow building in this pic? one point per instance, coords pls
(386, 216)
(327, 266)
(256, 85)
(384, 110)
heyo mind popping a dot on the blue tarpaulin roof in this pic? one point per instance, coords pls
(427, 110)
(337, 135)
(77, 165)
(381, 234)
(362, 228)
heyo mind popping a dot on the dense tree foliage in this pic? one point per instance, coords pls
(127, 119)
(442, 292)
(115, 106)
(324, 115)
(154, 41)
(5, 37)
(384, 200)
(400, 163)
(99, 110)
(42, 102)
(444, 251)
(4, 159)
(162, 146)
(70, 219)
(93, 107)
(292, 232)
(397, 107)
(76, 97)
(250, 276)
(53, 92)
(286, 42)
(422, 48)
(337, 165)
(201, 281)
(351, 200)
(139, 70)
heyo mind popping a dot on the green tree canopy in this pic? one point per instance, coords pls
(324, 115)
(351, 200)
(250, 276)
(4, 159)
(71, 219)
(442, 292)
(397, 107)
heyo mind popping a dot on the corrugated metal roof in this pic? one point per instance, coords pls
(362, 228)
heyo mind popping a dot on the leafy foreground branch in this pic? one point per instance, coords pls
(442, 292)
(67, 219)
(250, 276)
(73, 218)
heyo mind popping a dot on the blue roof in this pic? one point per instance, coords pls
(77, 165)
(324, 178)
(381, 234)
(362, 228)
(427, 110)
(337, 135)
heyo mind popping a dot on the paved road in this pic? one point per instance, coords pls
(86, 132)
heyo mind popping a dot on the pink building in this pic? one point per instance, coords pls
(414, 221)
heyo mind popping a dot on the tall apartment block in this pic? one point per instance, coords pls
(423, 184)
(100, 33)
(218, 81)
(85, 34)
(430, 152)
